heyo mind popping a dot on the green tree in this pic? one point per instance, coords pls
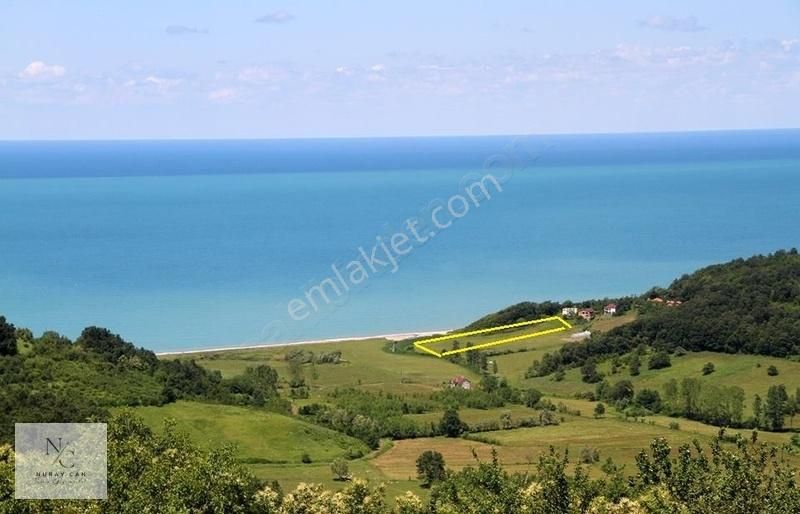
(8, 338)
(659, 360)
(635, 364)
(775, 407)
(648, 399)
(772, 371)
(451, 425)
(708, 368)
(340, 469)
(531, 397)
(599, 410)
(758, 411)
(430, 467)
(589, 372)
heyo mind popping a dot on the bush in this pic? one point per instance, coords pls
(430, 467)
(589, 455)
(772, 371)
(599, 410)
(659, 360)
(340, 469)
(674, 425)
(708, 368)
(305, 458)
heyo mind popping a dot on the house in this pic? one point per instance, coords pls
(610, 309)
(586, 313)
(657, 299)
(461, 382)
(673, 303)
(568, 312)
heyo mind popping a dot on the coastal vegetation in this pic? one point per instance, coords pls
(640, 415)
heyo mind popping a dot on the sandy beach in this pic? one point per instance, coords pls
(390, 337)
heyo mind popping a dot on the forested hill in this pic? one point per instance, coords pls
(746, 305)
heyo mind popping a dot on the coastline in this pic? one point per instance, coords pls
(390, 337)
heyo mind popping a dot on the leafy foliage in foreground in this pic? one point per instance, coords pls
(166, 473)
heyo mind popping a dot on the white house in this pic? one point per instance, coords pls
(568, 312)
(610, 309)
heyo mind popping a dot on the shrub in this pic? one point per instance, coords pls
(589, 455)
(708, 368)
(599, 410)
(674, 425)
(659, 360)
(340, 469)
(772, 371)
(305, 458)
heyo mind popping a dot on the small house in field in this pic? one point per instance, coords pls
(569, 312)
(461, 382)
(610, 309)
(586, 313)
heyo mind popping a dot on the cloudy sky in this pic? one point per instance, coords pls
(202, 69)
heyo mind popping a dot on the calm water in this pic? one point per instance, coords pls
(196, 244)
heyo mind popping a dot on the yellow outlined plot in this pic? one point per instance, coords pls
(420, 345)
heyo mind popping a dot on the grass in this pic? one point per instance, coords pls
(365, 364)
(272, 438)
(258, 434)
(746, 371)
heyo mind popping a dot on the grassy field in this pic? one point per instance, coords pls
(364, 364)
(275, 443)
(259, 435)
(746, 371)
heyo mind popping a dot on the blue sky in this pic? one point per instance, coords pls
(201, 69)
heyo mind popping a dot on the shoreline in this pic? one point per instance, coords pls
(391, 337)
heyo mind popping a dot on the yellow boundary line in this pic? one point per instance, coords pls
(420, 345)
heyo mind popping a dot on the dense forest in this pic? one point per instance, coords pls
(744, 306)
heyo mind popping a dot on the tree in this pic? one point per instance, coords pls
(589, 372)
(340, 469)
(775, 408)
(648, 399)
(772, 371)
(708, 368)
(451, 425)
(599, 410)
(659, 360)
(635, 364)
(532, 397)
(8, 338)
(430, 467)
(758, 411)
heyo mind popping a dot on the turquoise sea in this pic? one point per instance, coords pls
(192, 244)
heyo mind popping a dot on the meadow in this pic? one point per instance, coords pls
(272, 444)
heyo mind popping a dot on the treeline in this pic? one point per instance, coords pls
(56, 380)
(740, 478)
(369, 416)
(744, 306)
(528, 311)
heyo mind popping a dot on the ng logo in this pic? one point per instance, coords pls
(62, 452)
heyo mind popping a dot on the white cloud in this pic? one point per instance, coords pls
(670, 23)
(41, 70)
(377, 68)
(276, 17)
(224, 95)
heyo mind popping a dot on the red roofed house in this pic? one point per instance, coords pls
(586, 313)
(610, 309)
(461, 382)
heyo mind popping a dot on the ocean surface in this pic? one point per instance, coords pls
(196, 244)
